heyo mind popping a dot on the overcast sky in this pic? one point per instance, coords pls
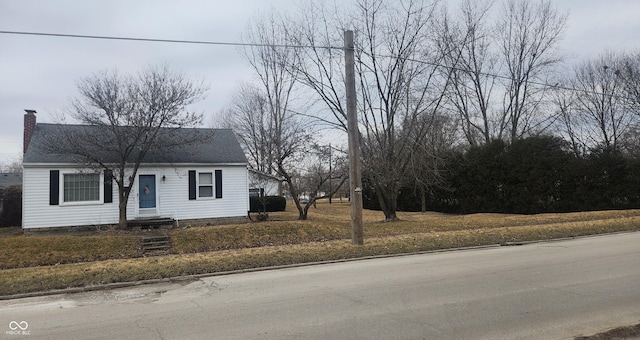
(40, 73)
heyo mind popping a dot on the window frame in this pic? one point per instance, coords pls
(194, 184)
(63, 188)
(200, 185)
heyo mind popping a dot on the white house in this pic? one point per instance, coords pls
(207, 182)
(262, 184)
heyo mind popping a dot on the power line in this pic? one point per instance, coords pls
(174, 41)
(240, 44)
(557, 86)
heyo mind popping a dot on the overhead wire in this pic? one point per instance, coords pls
(243, 44)
(176, 41)
(556, 86)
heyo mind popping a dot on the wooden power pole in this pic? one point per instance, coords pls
(355, 176)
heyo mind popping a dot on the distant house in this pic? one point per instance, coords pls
(208, 181)
(8, 179)
(261, 184)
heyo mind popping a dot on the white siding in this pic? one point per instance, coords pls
(37, 213)
(172, 201)
(271, 188)
(270, 185)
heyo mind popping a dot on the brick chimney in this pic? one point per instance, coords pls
(29, 127)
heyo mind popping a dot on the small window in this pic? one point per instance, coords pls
(205, 184)
(256, 192)
(81, 187)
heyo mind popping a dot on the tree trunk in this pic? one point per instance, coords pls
(388, 199)
(122, 206)
(423, 200)
(303, 213)
(123, 195)
(390, 215)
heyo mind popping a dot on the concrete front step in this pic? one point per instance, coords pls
(156, 238)
(156, 243)
(146, 223)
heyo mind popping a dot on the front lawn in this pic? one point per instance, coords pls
(40, 262)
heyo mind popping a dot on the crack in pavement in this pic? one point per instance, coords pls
(149, 329)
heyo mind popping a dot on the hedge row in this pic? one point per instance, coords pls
(11, 214)
(267, 203)
(531, 175)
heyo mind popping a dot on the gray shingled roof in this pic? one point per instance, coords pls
(216, 146)
(8, 179)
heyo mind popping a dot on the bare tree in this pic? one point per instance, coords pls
(324, 175)
(14, 166)
(527, 33)
(276, 144)
(398, 89)
(126, 117)
(320, 65)
(250, 118)
(287, 137)
(600, 101)
(467, 46)
(568, 122)
(630, 72)
(428, 161)
(397, 79)
(521, 44)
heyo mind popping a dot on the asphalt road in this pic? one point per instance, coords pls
(552, 290)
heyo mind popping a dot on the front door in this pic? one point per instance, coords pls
(147, 194)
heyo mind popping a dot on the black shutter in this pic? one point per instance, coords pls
(108, 186)
(218, 183)
(54, 187)
(192, 184)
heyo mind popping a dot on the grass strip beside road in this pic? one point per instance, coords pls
(44, 278)
(26, 251)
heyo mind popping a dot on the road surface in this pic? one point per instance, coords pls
(553, 290)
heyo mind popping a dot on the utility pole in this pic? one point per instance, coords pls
(330, 175)
(355, 176)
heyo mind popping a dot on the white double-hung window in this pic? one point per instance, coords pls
(205, 184)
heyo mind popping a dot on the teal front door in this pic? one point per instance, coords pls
(147, 191)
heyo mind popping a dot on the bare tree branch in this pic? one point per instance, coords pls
(124, 118)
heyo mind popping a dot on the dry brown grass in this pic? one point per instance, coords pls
(620, 333)
(28, 251)
(284, 240)
(337, 215)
